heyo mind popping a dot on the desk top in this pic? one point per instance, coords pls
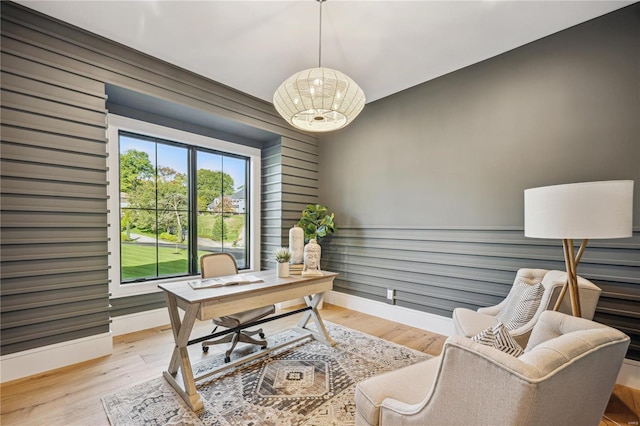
(182, 290)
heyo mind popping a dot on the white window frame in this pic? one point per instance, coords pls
(117, 123)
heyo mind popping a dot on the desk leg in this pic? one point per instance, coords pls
(323, 335)
(180, 357)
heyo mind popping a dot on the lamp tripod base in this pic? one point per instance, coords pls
(571, 260)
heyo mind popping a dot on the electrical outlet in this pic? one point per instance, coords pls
(391, 296)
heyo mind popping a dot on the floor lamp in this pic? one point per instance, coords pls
(584, 211)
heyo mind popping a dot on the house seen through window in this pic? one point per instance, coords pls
(178, 202)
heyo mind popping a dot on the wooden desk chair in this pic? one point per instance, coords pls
(218, 265)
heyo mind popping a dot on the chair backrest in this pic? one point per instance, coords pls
(589, 293)
(218, 265)
(553, 281)
(576, 362)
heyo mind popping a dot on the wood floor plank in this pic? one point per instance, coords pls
(623, 407)
(72, 395)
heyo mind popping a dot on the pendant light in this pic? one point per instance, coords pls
(319, 99)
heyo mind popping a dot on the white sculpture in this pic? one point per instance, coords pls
(312, 252)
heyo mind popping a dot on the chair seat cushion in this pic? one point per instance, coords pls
(409, 384)
(251, 315)
(469, 323)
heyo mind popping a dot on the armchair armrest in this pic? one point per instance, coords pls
(491, 310)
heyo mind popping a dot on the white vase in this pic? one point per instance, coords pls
(296, 244)
(283, 270)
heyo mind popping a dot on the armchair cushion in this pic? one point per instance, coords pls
(521, 305)
(469, 323)
(499, 337)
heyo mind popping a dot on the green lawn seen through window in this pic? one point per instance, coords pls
(139, 261)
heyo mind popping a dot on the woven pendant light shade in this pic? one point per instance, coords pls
(319, 100)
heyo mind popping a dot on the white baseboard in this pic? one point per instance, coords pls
(139, 321)
(38, 360)
(629, 373)
(411, 317)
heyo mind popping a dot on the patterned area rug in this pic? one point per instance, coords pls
(306, 383)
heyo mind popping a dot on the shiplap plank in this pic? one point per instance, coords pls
(35, 155)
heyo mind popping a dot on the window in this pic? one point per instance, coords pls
(179, 196)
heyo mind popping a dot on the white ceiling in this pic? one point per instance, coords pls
(385, 46)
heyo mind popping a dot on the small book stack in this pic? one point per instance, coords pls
(296, 268)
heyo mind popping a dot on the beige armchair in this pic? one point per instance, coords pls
(469, 323)
(565, 376)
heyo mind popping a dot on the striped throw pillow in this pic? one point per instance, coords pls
(521, 304)
(499, 337)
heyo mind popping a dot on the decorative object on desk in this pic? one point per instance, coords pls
(312, 253)
(308, 383)
(282, 256)
(296, 244)
(584, 211)
(316, 222)
(296, 268)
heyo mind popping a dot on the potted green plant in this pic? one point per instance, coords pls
(282, 256)
(316, 222)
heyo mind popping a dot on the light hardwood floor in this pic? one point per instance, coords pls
(71, 395)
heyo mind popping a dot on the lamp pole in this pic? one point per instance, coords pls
(571, 260)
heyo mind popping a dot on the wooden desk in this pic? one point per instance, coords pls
(205, 304)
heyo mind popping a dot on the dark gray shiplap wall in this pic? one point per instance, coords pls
(54, 210)
(54, 197)
(427, 184)
(271, 217)
(289, 183)
(438, 269)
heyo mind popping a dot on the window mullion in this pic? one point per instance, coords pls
(192, 203)
(156, 210)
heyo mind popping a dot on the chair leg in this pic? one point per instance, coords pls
(234, 342)
(223, 339)
(244, 336)
(254, 332)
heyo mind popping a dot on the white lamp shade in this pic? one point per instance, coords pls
(319, 100)
(585, 210)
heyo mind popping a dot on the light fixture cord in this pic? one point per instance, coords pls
(320, 36)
